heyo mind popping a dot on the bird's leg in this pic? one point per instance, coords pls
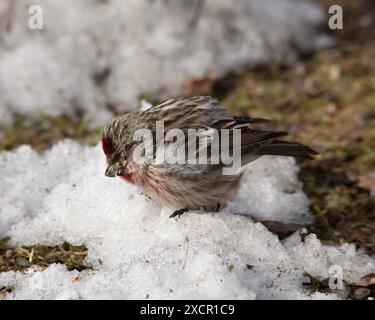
(212, 208)
(218, 207)
(178, 213)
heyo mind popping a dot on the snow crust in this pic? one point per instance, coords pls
(136, 251)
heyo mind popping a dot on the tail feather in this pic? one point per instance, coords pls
(286, 148)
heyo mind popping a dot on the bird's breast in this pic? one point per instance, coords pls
(129, 178)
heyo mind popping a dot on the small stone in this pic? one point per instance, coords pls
(8, 254)
(335, 72)
(22, 262)
(361, 293)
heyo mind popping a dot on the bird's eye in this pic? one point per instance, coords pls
(116, 157)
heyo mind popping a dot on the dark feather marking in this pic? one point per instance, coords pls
(238, 121)
(251, 136)
(286, 148)
(251, 120)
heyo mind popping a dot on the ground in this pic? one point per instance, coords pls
(325, 101)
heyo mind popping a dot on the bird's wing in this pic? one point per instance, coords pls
(193, 113)
(255, 142)
(208, 114)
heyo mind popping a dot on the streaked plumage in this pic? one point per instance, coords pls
(182, 185)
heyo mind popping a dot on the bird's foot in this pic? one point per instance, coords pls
(178, 213)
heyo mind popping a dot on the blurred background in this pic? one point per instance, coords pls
(94, 59)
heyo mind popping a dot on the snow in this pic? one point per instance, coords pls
(137, 251)
(94, 54)
(277, 194)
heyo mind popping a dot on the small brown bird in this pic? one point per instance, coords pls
(183, 185)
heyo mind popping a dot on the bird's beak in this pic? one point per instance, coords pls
(113, 170)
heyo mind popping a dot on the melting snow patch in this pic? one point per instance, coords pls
(91, 54)
(138, 252)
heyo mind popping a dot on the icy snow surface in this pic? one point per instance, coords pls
(138, 252)
(138, 47)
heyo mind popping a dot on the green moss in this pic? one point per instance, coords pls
(19, 258)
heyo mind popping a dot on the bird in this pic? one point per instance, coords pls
(186, 186)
